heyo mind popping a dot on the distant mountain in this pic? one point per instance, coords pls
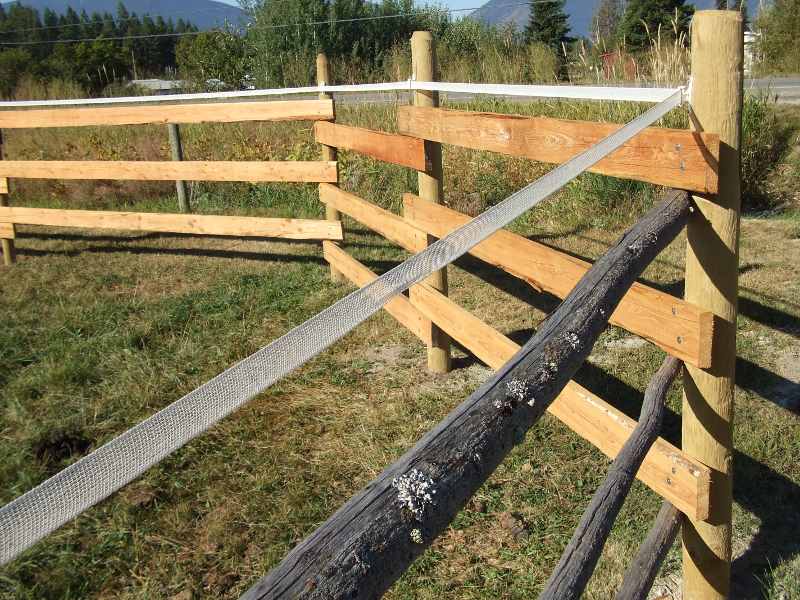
(500, 12)
(205, 14)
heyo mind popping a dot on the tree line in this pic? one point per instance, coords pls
(39, 45)
(365, 40)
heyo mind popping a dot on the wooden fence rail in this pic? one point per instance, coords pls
(670, 157)
(274, 171)
(296, 229)
(228, 112)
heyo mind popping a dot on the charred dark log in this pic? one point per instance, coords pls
(369, 542)
(584, 549)
(642, 573)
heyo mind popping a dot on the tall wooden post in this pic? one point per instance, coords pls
(9, 252)
(177, 155)
(712, 264)
(328, 152)
(424, 67)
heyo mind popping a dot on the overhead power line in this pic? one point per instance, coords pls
(277, 26)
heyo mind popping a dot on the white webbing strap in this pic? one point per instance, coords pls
(571, 92)
(99, 474)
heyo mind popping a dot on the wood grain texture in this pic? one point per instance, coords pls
(361, 550)
(666, 469)
(384, 222)
(256, 171)
(712, 282)
(296, 229)
(387, 147)
(399, 307)
(328, 152)
(643, 570)
(227, 112)
(678, 327)
(7, 231)
(6, 243)
(425, 67)
(577, 563)
(669, 157)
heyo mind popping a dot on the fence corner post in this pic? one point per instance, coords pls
(712, 270)
(177, 155)
(9, 252)
(328, 152)
(425, 68)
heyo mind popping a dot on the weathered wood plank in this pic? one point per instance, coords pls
(228, 112)
(388, 147)
(678, 327)
(666, 469)
(574, 569)
(297, 229)
(643, 570)
(255, 171)
(384, 222)
(670, 157)
(7, 231)
(3, 185)
(399, 307)
(368, 543)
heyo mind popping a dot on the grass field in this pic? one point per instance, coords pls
(99, 330)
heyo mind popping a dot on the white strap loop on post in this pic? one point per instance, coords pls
(93, 478)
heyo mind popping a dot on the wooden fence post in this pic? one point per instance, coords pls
(424, 67)
(9, 253)
(328, 152)
(177, 155)
(712, 264)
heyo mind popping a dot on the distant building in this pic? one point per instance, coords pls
(159, 87)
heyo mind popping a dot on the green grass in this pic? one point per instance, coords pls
(98, 331)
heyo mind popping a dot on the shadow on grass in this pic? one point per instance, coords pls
(186, 252)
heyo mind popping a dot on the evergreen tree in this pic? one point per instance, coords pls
(549, 25)
(644, 19)
(606, 20)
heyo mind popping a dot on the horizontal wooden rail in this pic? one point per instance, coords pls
(391, 148)
(256, 171)
(227, 112)
(391, 226)
(666, 470)
(670, 157)
(678, 327)
(7, 231)
(296, 229)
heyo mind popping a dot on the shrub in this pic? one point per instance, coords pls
(764, 142)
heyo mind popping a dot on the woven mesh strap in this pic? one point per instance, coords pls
(93, 478)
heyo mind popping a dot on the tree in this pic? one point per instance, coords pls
(780, 29)
(549, 25)
(644, 19)
(214, 55)
(606, 20)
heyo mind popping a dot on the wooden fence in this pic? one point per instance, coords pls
(698, 331)
(693, 480)
(257, 171)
